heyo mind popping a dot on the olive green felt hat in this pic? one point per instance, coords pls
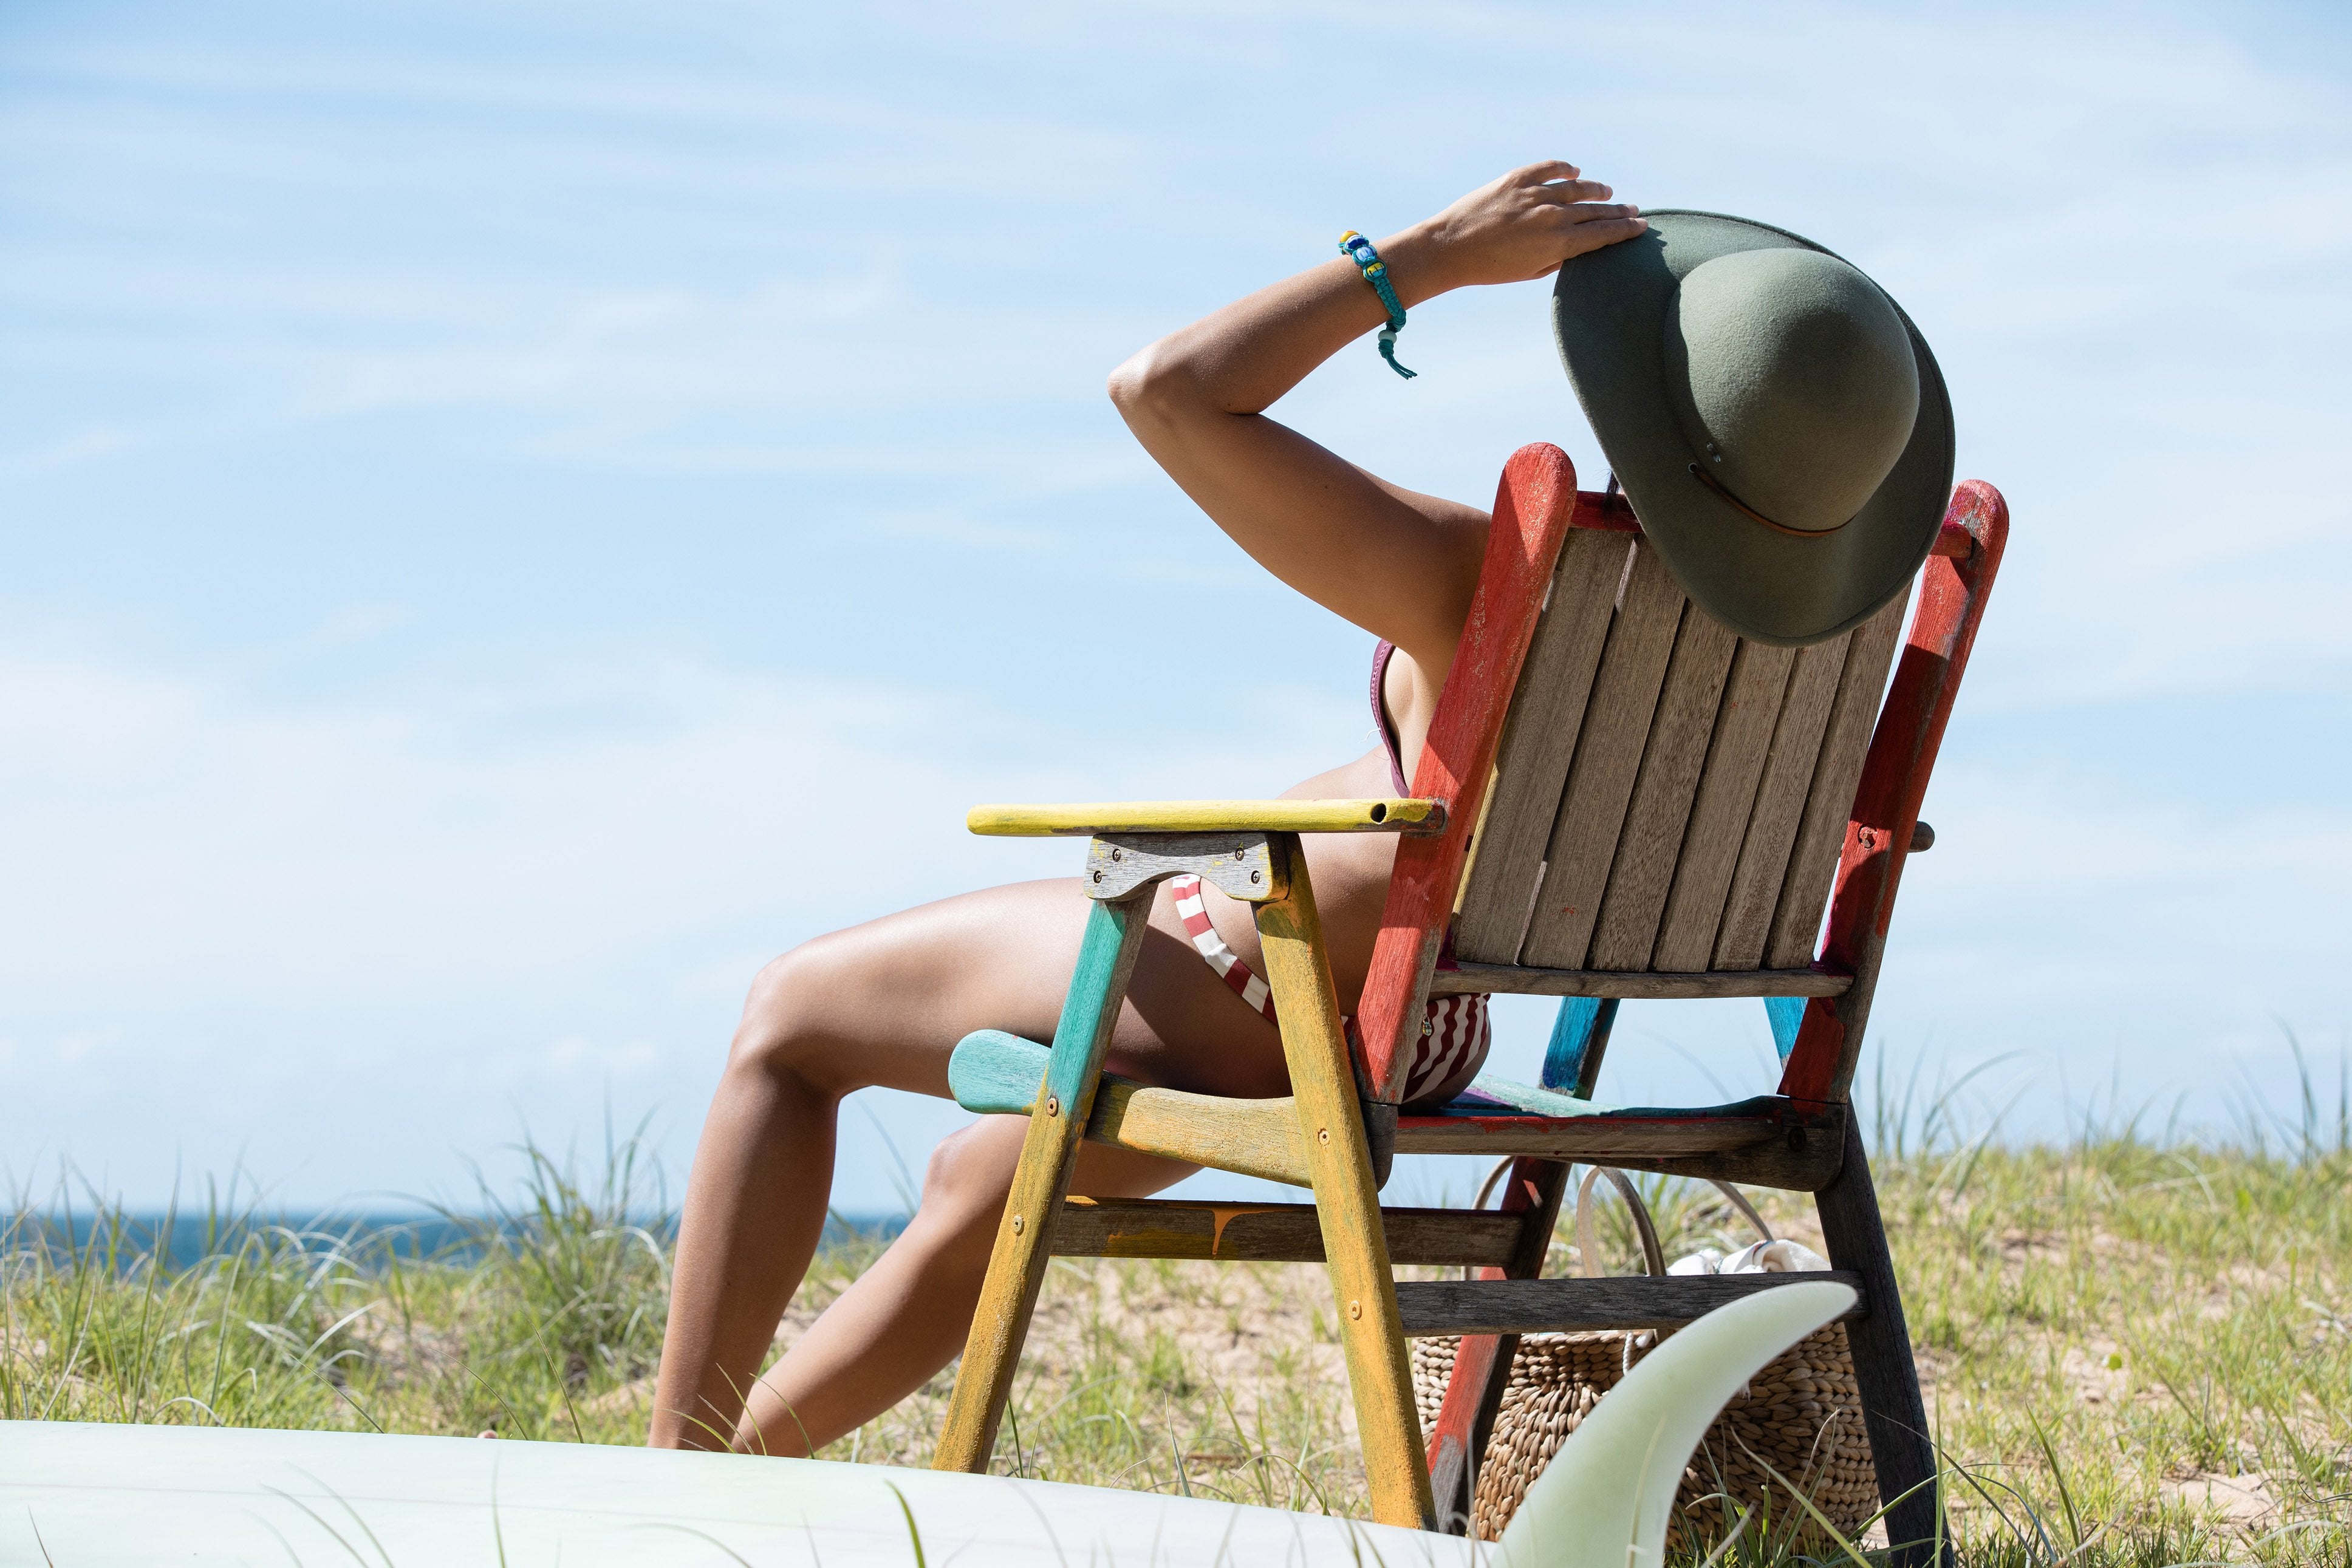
(1776, 420)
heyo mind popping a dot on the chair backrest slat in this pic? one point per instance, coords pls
(1805, 891)
(1673, 759)
(1538, 741)
(1583, 838)
(1637, 801)
(1744, 727)
(1668, 796)
(1781, 796)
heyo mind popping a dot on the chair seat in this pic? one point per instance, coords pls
(1769, 1140)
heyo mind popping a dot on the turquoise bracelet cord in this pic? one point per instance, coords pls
(1359, 249)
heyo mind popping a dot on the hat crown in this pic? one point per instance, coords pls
(1793, 380)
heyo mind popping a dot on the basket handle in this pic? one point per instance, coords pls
(1587, 1240)
(1649, 1249)
(1588, 1244)
(1653, 1256)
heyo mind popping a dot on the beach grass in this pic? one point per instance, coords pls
(2138, 1347)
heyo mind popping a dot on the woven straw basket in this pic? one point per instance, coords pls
(1802, 1415)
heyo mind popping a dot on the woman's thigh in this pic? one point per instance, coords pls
(885, 1003)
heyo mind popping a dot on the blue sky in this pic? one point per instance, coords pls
(514, 513)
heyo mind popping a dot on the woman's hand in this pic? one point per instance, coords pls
(1522, 226)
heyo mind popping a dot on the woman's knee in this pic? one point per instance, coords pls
(784, 1031)
(969, 1172)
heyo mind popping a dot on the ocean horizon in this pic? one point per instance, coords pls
(186, 1238)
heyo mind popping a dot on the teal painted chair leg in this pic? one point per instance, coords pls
(1024, 1236)
(1788, 1015)
(1580, 1036)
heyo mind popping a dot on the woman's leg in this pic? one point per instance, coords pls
(885, 1003)
(907, 1316)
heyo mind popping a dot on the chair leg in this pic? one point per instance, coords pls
(1892, 1412)
(1457, 1443)
(1482, 1365)
(1346, 1201)
(1579, 1039)
(1024, 1235)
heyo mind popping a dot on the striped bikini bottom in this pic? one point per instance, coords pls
(1454, 1031)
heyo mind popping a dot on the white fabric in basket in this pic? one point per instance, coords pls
(1757, 1257)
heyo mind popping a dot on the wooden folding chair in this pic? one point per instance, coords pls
(1659, 808)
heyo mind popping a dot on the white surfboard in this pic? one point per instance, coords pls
(107, 1497)
(90, 1496)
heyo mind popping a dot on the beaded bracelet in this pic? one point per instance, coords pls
(1359, 249)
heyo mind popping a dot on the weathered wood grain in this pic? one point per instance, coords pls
(1533, 505)
(1250, 1137)
(1579, 1045)
(1596, 1139)
(1892, 1412)
(1532, 1099)
(1347, 1198)
(1651, 842)
(1952, 596)
(1606, 509)
(1608, 758)
(1805, 1160)
(1017, 1263)
(1780, 805)
(1805, 891)
(1273, 1232)
(1085, 820)
(1953, 591)
(1744, 724)
(1482, 1363)
(1538, 743)
(992, 1072)
(1549, 1306)
(1236, 864)
(1636, 985)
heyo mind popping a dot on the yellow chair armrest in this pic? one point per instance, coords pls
(1386, 815)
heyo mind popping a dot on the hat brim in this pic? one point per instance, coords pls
(1609, 313)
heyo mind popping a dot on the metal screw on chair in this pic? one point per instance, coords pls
(1016, 1225)
(1254, 875)
(1097, 877)
(1053, 1104)
(1239, 853)
(1114, 854)
(1323, 1134)
(1355, 1308)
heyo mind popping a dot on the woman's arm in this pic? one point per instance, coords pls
(1400, 565)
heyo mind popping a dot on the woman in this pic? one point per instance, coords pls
(886, 1002)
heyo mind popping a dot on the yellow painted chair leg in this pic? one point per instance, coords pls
(1346, 1201)
(1024, 1235)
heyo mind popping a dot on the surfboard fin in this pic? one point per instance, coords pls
(1603, 1500)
